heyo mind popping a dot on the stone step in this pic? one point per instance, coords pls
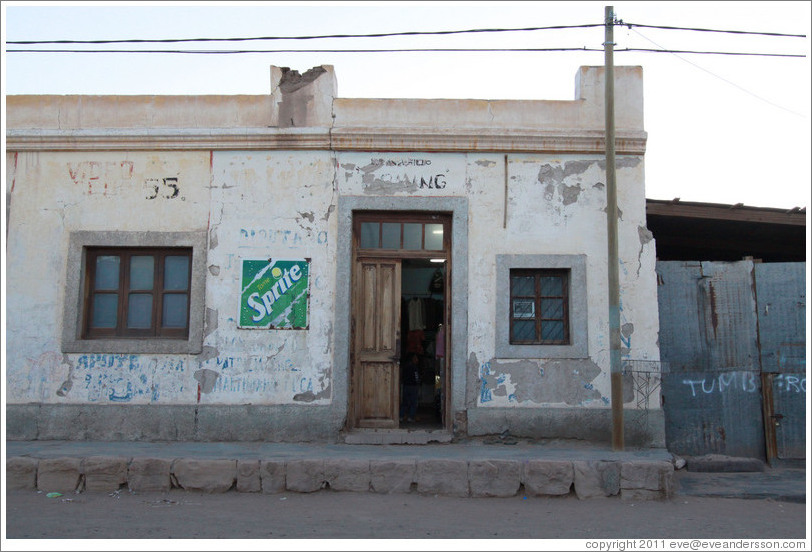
(480, 477)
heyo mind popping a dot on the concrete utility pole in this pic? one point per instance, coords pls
(611, 231)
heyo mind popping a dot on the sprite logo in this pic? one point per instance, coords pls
(274, 293)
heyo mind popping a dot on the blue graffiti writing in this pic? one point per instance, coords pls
(288, 238)
(746, 382)
(485, 394)
(790, 383)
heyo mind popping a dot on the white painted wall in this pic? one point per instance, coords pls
(278, 202)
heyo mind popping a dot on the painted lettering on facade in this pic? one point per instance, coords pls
(101, 178)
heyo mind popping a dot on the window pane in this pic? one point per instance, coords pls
(523, 286)
(139, 311)
(105, 310)
(391, 235)
(434, 236)
(552, 308)
(142, 271)
(175, 309)
(107, 271)
(176, 273)
(370, 238)
(524, 308)
(552, 331)
(552, 286)
(524, 331)
(412, 235)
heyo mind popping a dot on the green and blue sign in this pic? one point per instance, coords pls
(275, 294)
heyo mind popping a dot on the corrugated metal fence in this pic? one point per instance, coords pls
(733, 337)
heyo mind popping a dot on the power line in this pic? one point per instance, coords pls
(403, 33)
(630, 25)
(721, 78)
(336, 51)
(392, 50)
(312, 37)
(664, 51)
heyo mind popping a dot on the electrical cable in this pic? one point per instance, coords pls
(335, 51)
(243, 39)
(705, 52)
(720, 78)
(394, 50)
(630, 25)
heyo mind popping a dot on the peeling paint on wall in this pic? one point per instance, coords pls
(539, 382)
(626, 331)
(206, 378)
(645, 236)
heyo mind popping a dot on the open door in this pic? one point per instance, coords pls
(375, 354)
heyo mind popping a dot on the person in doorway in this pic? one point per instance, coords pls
(410, 377)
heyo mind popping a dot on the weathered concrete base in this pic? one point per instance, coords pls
(115, 422)
(587, 424)
(631, 479)
(294, 423)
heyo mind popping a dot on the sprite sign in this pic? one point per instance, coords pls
(275, 293)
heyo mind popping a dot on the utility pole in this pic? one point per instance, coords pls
(615, 368)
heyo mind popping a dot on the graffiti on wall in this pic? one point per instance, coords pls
(723, 383)
(101, 178)
(126, 378)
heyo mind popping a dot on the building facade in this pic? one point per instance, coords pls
(262, 267)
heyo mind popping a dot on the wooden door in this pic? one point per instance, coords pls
(376, 343)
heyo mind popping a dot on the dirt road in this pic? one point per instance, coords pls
(332, 515)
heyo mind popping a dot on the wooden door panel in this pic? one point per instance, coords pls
(375, 367)
(388, 302)
(375, 380)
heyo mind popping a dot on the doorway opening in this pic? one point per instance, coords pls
(422, 323)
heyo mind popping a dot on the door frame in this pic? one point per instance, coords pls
(457, 333)
(362, 255)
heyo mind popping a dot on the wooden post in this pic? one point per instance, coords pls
(615, 367)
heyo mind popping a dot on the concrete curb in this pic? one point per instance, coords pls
(634, 479)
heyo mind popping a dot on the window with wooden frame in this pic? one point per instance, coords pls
(539, 307)
(137, 293)
(408, 234)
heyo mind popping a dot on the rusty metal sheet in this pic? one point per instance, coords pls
(727, 296)
(781, 292)
(713, 412)
(707, 315)
(781, 295)
(682, 343)
(789, 414)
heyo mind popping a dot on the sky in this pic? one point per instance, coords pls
(721, 128)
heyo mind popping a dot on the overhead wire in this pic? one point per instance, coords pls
(395, 50)
(665, 27)
(392, 34)
(717, 76)
(310, 37)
